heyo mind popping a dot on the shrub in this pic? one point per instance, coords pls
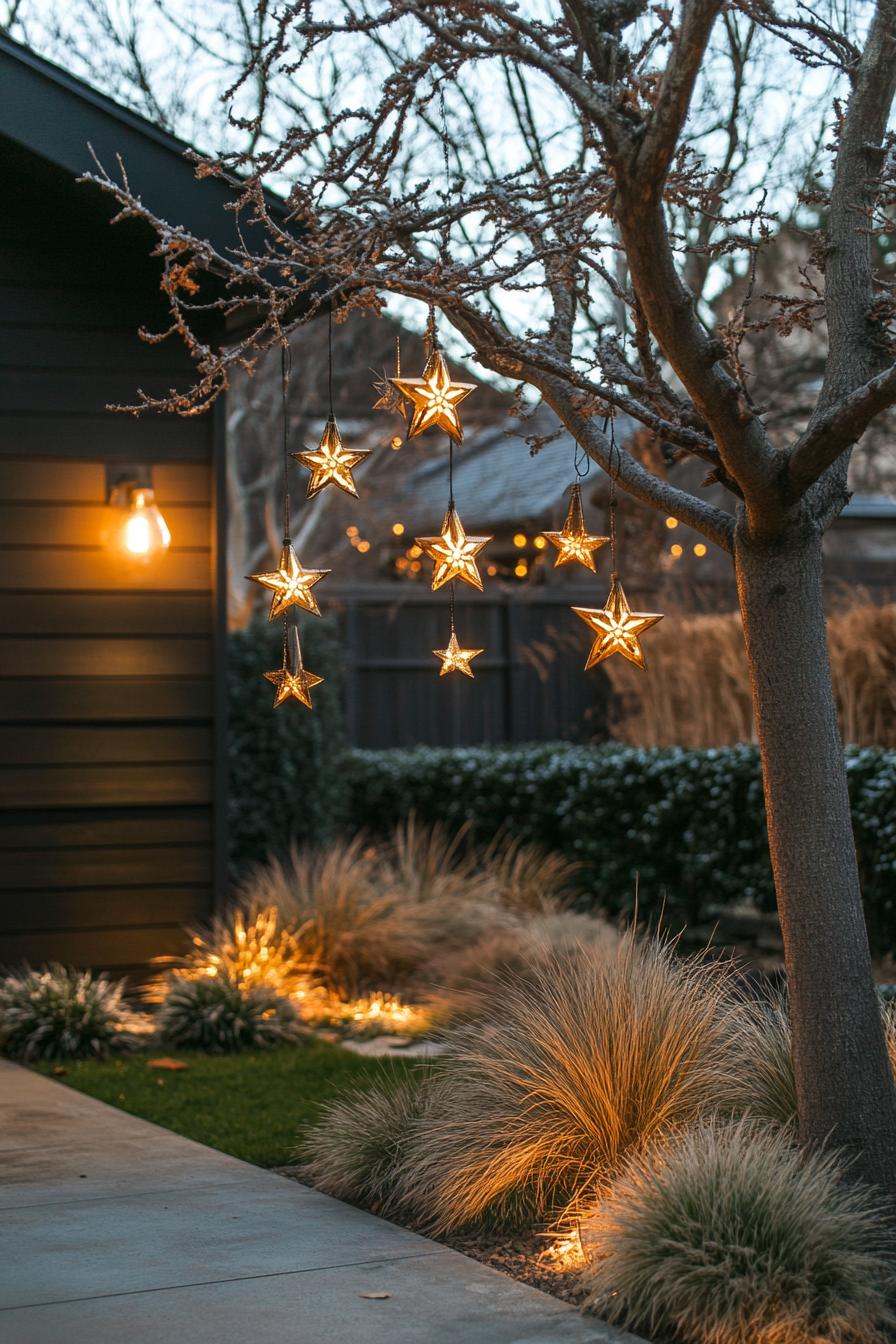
(57, 1013)
(683, 829)
(595, 1056)
(357, 1144)
(215, 1013)
(273, 756)
(728, 1235)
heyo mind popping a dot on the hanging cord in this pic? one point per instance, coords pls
(451, 506)
(285, 366)
(330, 358)
(581, 461)
(614, 473)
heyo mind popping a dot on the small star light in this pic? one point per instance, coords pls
(575, 542)
(456, 659)
(291, 584)
(617, 628)
(435, 398)
(331, 461)
(293, 683)
(453, 553)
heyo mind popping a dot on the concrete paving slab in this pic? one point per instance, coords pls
(115, 1230)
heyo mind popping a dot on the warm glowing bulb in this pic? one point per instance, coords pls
(539, 543)
(519, 540)
(398, 529)
(521, 569)
(145, 531)
(414, 551)
(676, 550)
(396, 443)
(363, 547)
(699, 549)
(351, 531)
(671, 522)
(492, 571)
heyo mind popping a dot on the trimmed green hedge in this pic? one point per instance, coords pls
(686, 829)
(286, 766)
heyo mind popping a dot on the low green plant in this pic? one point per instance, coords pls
(219, 1014)
(357, 1145)
(59, 1013)
(729, 1235)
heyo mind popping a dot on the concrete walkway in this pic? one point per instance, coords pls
(113, 1231)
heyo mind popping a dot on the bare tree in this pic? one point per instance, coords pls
(574, 253)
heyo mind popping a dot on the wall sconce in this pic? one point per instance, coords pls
(138, 529)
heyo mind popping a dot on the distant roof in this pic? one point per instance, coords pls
(497, 479)
(870, 506)
(54, 115)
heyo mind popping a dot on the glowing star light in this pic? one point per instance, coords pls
(331, 462)
(617, 628)
(291, 584)
(456, 659)
(575, 542)
(435, 398)
(293, 684)
(453, 553)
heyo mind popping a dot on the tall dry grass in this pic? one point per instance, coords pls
(729, 1235)
(695, 691)
(595, 1056)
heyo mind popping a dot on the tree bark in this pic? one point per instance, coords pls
(845, 1090)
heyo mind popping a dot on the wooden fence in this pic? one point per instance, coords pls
(529, 683)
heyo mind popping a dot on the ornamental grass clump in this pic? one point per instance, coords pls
(218, 1014)
(357, 1145)
(59, 1013)
(729, 1235)
(249, 945)
(594, 1057)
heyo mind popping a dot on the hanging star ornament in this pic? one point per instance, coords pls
(456, 659)
(575, 542)
(331, 462)
(435, 398)
(617, 628)
(291, 584)
(453, 553)
(293, 684)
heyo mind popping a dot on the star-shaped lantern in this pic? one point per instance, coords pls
(456, 659)
(617, 628)
(291, 584)
(331, 462)
(453, 553)
(575, 542)
(295, 683)
(435, 398)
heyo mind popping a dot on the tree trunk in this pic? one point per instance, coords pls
(845, 1088)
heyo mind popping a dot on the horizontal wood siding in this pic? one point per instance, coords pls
(106, 667)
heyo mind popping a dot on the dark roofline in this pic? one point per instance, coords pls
(53, 114)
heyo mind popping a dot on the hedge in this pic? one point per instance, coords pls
(286, 767)
(682, 829)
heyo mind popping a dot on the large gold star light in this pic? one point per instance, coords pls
(453, 553)
(575, 541)
(617, 628)
(331, 462)
(456, 659)
(435, 398)
(291, 584)
(293, 685)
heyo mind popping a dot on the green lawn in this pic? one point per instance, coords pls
(255, 1105)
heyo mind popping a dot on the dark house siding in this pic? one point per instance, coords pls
(107, 689)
